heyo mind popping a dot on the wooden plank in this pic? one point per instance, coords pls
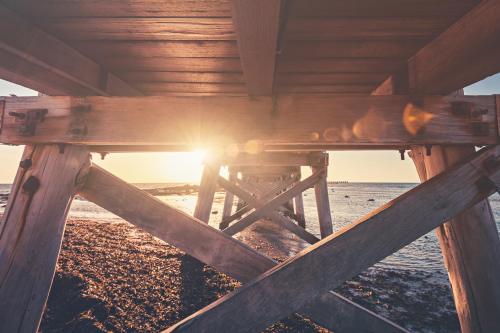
(381, 8)
(159, 88)
(323, 202)
(396, 49)
(213, 247)
(349, 28)
(465, 53)
(465, 238)
(122, 8)
(362, 89)
(329, 78)
(165, 49)
(31, 232)
(52, 57)
(337, 65)
(208, 186)
(497, 101)
(228, 202)
(257, 42)
(161, 64)
(275, 159)
(326, 121)
(170, 76)
(347, 252)
(143, 28)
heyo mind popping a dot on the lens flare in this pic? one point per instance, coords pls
(415, 118)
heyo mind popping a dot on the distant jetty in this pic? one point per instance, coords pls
(172, 190)
(339, 182)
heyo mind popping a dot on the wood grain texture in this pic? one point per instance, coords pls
(121, 8)
(347, 252)
(470, 246)
(135, 29)
(162, 64)
(31, 232)
(190, 76)
(208, 186)
(465, 53)
(160, 88)
(23, 40)
(257, 43)
(342, 28)
(213, 247)
(326, 121)
(336, 65)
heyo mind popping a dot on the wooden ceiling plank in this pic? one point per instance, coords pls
(177, 64)
(257, 25)
(30, 46)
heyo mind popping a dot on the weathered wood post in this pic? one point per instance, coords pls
(470, 246)
(228, 201)
(299, 204)
(32, 229)
(208, 186)
(322, 203)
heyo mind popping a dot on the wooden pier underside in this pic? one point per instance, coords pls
(254, 77)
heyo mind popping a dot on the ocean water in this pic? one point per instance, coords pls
(348, 202)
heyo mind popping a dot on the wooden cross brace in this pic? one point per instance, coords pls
(268, 209)
(349, 251)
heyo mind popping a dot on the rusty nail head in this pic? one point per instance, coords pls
(26, 164)
(31, 185)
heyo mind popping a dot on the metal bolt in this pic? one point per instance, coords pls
(31, 185)
(428, 150)
(26, 164)
(17, 115)
(402, 153)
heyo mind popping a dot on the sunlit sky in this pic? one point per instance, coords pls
(359, 166)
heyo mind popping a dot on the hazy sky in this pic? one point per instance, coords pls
(369, 166)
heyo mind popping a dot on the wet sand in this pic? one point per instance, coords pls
(114, 277)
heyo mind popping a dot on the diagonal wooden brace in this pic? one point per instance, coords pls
(212, 246)
(348, 252)
(268, 196)
(267, 208)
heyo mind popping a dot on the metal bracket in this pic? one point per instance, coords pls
(29, 120)
(477, 116)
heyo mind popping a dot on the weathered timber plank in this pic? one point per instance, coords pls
(347, 252)
(213, 247)
(381, 8)
(28, 45)
(121, 8)
(326, 121)
(342, 28)
(257, 43)
(329, 78)
(171, 76)
(337, 65)
(31, 232)
(144, 28)
(445, 65)
(208, 186)
(470, 246)
(276, 159)
(158, 88)
(160, 64)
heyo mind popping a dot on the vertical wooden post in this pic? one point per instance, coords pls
(322, 203)
(470, 247)
(228, 201)
(32, 230)
(208, 186)
(299, 204)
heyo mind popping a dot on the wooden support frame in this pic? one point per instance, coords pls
(32, 229)
(398, 223)
(327, 122)
(35, 59)
(208, 186)
(267, 209)
(322, 202)
(215, 248)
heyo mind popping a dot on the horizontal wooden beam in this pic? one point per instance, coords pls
(36, 59)
(275, 159)
(257, 43)
(205, 243)
(468, 51)
(351, 250)
(243, 124)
